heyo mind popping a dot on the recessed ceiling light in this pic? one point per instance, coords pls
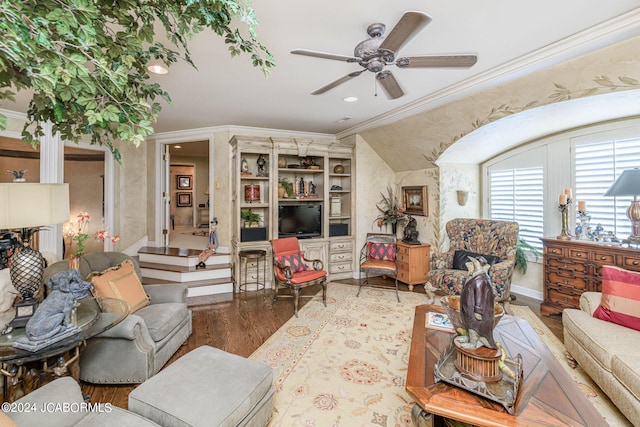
(343, 119)
(157, 69)
(350, 99)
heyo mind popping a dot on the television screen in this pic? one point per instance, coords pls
(300, 220)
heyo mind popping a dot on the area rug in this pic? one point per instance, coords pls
(346, 364)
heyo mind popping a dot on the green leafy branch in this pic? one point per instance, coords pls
(85, 60)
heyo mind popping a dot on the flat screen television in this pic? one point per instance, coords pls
(302, 221)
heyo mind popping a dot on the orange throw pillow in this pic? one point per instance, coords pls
(120, 282)
(620, 297)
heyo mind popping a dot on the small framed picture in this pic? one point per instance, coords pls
(184, 182)
(184, 200)
(415, 200)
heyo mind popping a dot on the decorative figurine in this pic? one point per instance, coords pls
(212, 245)
(261, 169)
(410, 234)
(476, 306)
(244, 167)
(18, 176)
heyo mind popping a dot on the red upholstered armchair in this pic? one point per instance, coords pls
(291, 269)
(378, 256)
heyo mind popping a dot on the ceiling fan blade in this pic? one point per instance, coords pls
(324, 55)
(389, 84)
(407, 27)
(437, 61)
(337, 82)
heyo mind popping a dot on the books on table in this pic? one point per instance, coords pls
(439, 321)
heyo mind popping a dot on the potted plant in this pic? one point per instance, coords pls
(521, 256)
(250, 218)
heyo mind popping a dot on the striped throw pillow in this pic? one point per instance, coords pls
(620, 297)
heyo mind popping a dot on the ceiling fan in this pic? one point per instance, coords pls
(375, 53)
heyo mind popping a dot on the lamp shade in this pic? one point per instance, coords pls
(25, 205)
(627, 184)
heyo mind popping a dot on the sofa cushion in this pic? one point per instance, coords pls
(161, 319)
(461, 258)
(620, 297)
(626, 369)
(120, 282)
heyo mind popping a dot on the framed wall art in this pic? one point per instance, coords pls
(415, 200)
(184, 200)
(184, 182)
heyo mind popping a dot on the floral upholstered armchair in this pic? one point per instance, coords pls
(495, 240)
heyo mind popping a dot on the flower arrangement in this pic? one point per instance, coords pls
(391, 212)
(79, 234)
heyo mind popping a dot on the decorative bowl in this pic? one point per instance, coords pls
(451, 304)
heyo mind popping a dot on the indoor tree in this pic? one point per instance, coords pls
(86, 60)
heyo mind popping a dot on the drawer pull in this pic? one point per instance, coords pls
(635, 263)
(554, 251)
(603, 258)
(341, 245)
(579, 254)
(565, 299)
(565, 282)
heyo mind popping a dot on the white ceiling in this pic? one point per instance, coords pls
(229, 91)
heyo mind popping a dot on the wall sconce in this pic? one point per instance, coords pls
(463, 196)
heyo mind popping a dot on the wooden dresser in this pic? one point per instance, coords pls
(572, 267)
(413, 263)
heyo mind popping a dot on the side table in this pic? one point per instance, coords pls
(256, 255)
(413, 263)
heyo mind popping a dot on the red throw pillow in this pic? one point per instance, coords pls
(382, 251)
(295, 262)
(620, 297)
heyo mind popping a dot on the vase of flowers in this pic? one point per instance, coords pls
(391, 211)
(78, 233)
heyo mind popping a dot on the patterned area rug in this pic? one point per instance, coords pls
(346, 364)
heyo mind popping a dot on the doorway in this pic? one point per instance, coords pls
(188, 186)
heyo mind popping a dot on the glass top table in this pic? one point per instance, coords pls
(92, 319)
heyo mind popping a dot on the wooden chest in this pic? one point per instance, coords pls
(572, 267)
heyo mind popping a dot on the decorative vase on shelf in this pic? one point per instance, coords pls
(74, 262)
(281, 191)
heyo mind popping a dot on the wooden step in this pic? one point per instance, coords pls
(181, 256)
(199, 288)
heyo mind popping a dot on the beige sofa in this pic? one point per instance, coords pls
(609, 353)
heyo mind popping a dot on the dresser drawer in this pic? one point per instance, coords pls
(554, 250)
(604, 258)
(631, 263)
(340, 257)
(565, 264)
(565, 300)
(568, 280)
(340, 246)
(342, 267)
(578, 254)
(403, 250)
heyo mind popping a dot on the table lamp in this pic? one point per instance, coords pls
(28, 206)
(628, 184)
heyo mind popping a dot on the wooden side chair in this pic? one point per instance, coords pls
(378, 256)
(291, 269)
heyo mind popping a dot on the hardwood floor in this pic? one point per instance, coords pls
(240, 324)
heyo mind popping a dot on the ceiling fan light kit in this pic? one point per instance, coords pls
(378, 51)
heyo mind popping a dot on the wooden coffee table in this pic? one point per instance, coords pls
(547, 395)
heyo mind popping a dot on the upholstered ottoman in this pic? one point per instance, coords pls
(207, 387)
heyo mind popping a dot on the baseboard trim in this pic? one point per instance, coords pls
(527, 292)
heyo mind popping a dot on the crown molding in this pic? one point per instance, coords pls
(207, 132)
